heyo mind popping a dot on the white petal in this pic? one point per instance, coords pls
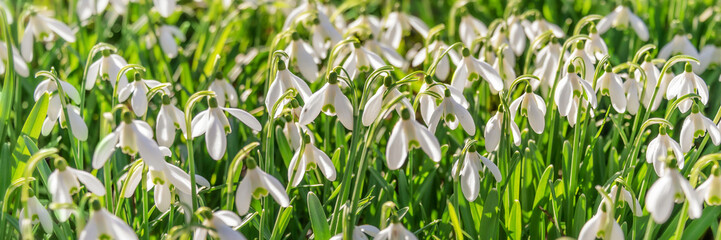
(276, 189)
(61, 29)
(428, 142)
(162, 198)
(397, 147)
(243, 196)
(104, 149)
(200, 123)
(246, 118)
(90, 182)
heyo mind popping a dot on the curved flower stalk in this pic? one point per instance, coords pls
(532, 107)
(132, 137)
(170, 118)
(55, 110)
(44, 28)
(633, 90)
(360, 233)
(166, 37)
(428, 102)
(539, 26)
(469, 29)
(396, 23)
(257, 184)
(572, 94)
(36, 213)
(671, 187)
(88, 8)
(139, 88)
(696, 125)
(307, 158)
(686, 83)
(360, 59)
(302, 55)
(492, 133)
(107, 68)
(65, 181)
(603, 224)
(395, 230)
(622, 17)
(470, 178)
(219, 224)
(680, 44)
(223, 90)
(285, 80)
(453, 113)
(710, 190)
(214, 124)
(435, 49)
(659, 149)
(383, 96)
(610, 84)
(588, 61)
(406, 135)
(471, 69)
(652, 75)
(166, 7)
(331, 101)
(596, 46)
(104, 225)
(18, 62)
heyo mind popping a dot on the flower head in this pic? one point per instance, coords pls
(139, 88)
(107, 68)
(132, 137)
(696, 125)
(214, 124)
(104, 225)
(470, 179)
(285, 80)
(453, 113)
(572, 94)
(35, 212)
(472, 69)
(408, 134)
(622, 17)
(331, 101)
(671, 187)
(44, 28)
(166, 36)
(303, 57)
(610, 85)
(257, 184)
(659, 149)
(710, 190)
(492, 133)
(18, 61)
(686, 83)
(308, 158)
(65, 181)
(533, 107)
(222, 224)
(224, 90)
(395, 230)
(383, 96)
(169, 119)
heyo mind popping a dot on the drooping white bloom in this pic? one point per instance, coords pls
(131, 136)
(599, 225)
(596, 46)
(671, 187)
(470, 178)
(55, 110)
(285, 80)
(667, 78)
(104, 225)
(610, 85)
(626, 196)
(398, 22)
(19, 64)
(222, 224)
(493, 131)
(165, 7)
(533, 107)
(43, 28)
(383, 96)
(107, 68)
(516, 35)
(540, 26)
(166, 36)
(710, 190)
(435, 49)
(572, 94)
(680, 44)
(470, 28)
(303, 57)
(368, 21)
(139, 88)
(308, 158)
(707, 56)
(685, 83)
(323, 26)
(88, 8)
(658, 150)
(51, 86)
(504, 66)
(453, 113)
(696, 125)
(633, 90)
(652, 75)
(323, 37)
(36, 212)
(291, 128)
(331, 101)
(169, 119)
(406, 135)
(359, 59)
(214, 124)
(360, 232)
(470, 68)
(547, 62)
(588, 61)
(622, 17)
(394, 231)
(257, 184)
(65, 181)
(223, 90)
(389, 53)
(429, 103)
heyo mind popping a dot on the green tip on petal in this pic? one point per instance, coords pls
(251, 163)
(466, 52)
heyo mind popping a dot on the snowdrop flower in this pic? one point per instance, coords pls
(376, 102)
(658, 150)
(588, 61)
(390, 54)
(104, 225)
(106, 68)
(43, 28)
(223, 90)
(626, 196)
(610, 85)
(599, 225)
(222, 222)
(533, 107)
(686, 83)
(291, 127)
(710, 190)
(304, 57)
(165, 7)
(596, 46)
(570, 93)
(51, 86)
(169, 119)
(679, 44)
(166, 36)
(663, 89)
(470, 68)
(63, 183)
(257, 184)
(36, 212)
(360, 60)
(285, 80)
(696, 125)
(435, 49)
(214, 124)
(516, 38)
(539, 26)
(19, 64)
(707, 56)
(492, 133)
(633, 90)
(88, 8)
(139, 89)
(406, 135)
(323, 38)
(429, 103)
(161, 181)
(319, 14)
(470, 179)
(308, 158)
(77, 124)
(396, 23)
(394, 231)
(453, 113)
(331, 101)
(547, 62)
(131, 136)
(671, 187)
(360, 232)
(622, 17)
(471, 28)
(652, 75)
(504, 66)
(368, 21)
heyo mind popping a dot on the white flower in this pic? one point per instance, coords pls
(169, 119)
(707, 56)
(470, 179)
(685, 83)
(291, 127)
(383, 96)
(131, 136)
(435, 49)
(652, 75)
(166, 36)
(323, 26)
(308, 159)
(696, 125)
(573, 93)
(408, 134)
(505, 68)
(659, 149)
(516, 35)
(622, 17)
(222, 222)
(471, 69)
(51, 86)
(610, 85)
(223, 90)
(599, 224)
(331, 101)
(429, 103)
(596, 46)
(396, 23)
(671, 187)
(63, 183)
(360, 232)
(389, 53)
(360, 59)
(626, 196)
(257, 184)
(633, 90)
(139, 88)
(285, 80)
(104, 225)
(453, 113)
(540, 26)
(588, 61)
(19, 64)
(36, 212)
(395, 231)
(492, 133)
(470, 28)
(214, 124)
(368, 21)
(710, 190)
(667, 78)
(533, 107)
(547, 65)
(679, 44)
(107, 68)
(304, 57)
(88, 8)
(165, 7)
(41, 26)
(77, 124)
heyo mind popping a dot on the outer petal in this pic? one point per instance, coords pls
(590, 229)
(276, 189)
(343, 108)
(658, 199)
(215, 141)
(104, 149)
(243, 196)
(61, 29)
(372, 108)
(428, 142)
(325, 164)
(246, 118)
(397, 147)
(312, 107)
(92, 183)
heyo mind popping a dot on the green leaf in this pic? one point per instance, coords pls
(542, 185)
(31, 128)
(318, 221)
(516, 226)
(281, 222)
(454, 221)
(490, 215)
